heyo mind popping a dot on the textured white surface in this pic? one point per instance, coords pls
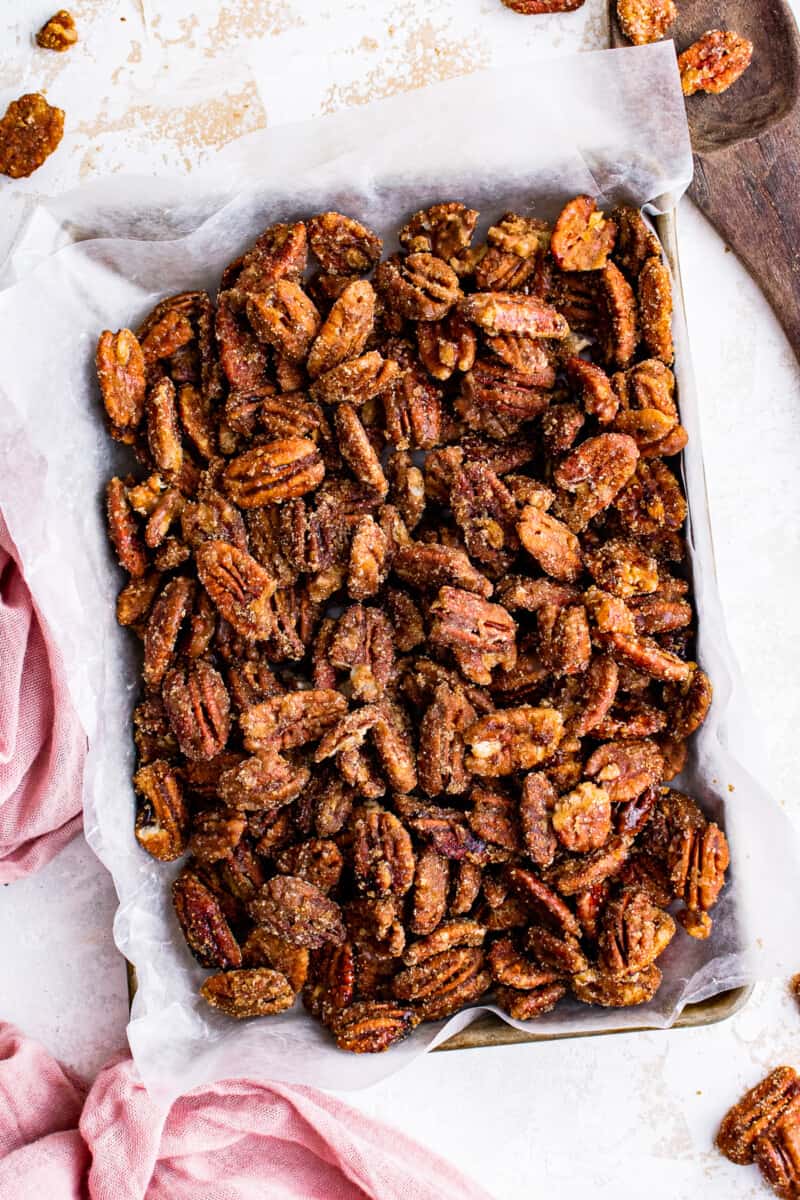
(600, 1117)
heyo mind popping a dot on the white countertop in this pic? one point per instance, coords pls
(605, 1117)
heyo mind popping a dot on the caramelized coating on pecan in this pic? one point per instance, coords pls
(644, 21)
(714, 62)
(30, 130)
(408, 576)
(756, 1113)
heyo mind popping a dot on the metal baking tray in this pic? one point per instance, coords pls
(489, 1029)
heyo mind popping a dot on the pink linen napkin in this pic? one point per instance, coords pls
(42, 744)
(236, 1140)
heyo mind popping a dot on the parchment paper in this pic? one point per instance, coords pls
(611, 124)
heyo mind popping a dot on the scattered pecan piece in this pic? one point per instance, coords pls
(645, 21)
(756, 1112)
(714, 62)
(58, 33)
(30, 130)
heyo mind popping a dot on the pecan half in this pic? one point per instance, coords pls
(207, 933)
(198, 708)
(122, 379)
(756, 1113)
(273, 472)
(257, 992)
(239, 586)
(421, 287)
(297, 912)
(514, 739)
(345, 331)
(582, 237)
(162, 821)
(343, 245)
(371, 1026)
(714, 62)
(644, 21)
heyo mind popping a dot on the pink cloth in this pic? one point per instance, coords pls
(234, 1141)
(42, 744)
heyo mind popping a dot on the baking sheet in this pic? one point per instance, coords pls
(611, 124)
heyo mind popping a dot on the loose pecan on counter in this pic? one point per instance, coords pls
(417, 632)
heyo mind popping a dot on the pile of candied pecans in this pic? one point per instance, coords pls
(406, 560)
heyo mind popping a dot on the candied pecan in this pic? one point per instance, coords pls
(622, 567)
(443, 229)
(298, 912)
(631, 717)
(383, 858)
(162, 819)
(407, 487)
(582, 818)
(285, 318)
(652, 500)
(778, 1153)
(357, 450)
(198, 708)
(343, 245)
(437, 977)
(163, 434)
(688, 703)
(436, 567)
(58, 33)
(264, 781)
(595, 473)
(318, 860)
(375, 927)
(481, 635)
(486, 512)
(135, 599)
(371, 1026)
(449, 936)
(208, 935)
(121, 375)
(30, 130)
(714, 62)
(273, 472)
(654, 615)
(369, 552)
(243, 357)
(511, 969)
(263, 949)
(617, 312)
(412, 405)
(756, 1113)
(564, 644)
(280, 252)
(446, 346)
(551, 543)
(558, 952)
(441, 742)
(361, 643)
(123, 530)
(582, 237)
(513, 739)
(644, 21)
(528, 1005)
(294, 719)
(634, 933)
(492, 818)
(509, 312)
(332, 982)
(163, 626)
(466, 886)
(498, 400)
(597, 395)
(697, 855)
(256, 992)
(344, 332)
(534, 7)
(535, 807)
(596, 987)
(625, 769)
(430, 891)
(420, 287)
(635, 240)
(655, 309)
(526, 356)
(239, 586)
(390, 736)
(356, 380)
(242, 875)
(577, 874)
(215, 834)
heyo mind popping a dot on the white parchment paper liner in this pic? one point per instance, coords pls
(610, 124)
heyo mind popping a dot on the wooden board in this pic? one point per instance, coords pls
(747, 146)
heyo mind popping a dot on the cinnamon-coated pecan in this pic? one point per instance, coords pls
(198, 708)
(256, 992)
(513, 739)
(714, 62)
(371, 1026)
(343, 245)
(207, 933)
(756, 1112)
(162, 819)
(298, 912)
(421, 287)
(273, 472)
(163, 626)
(644, 21)
(121, 375)
(239, 586)
(582, 237)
